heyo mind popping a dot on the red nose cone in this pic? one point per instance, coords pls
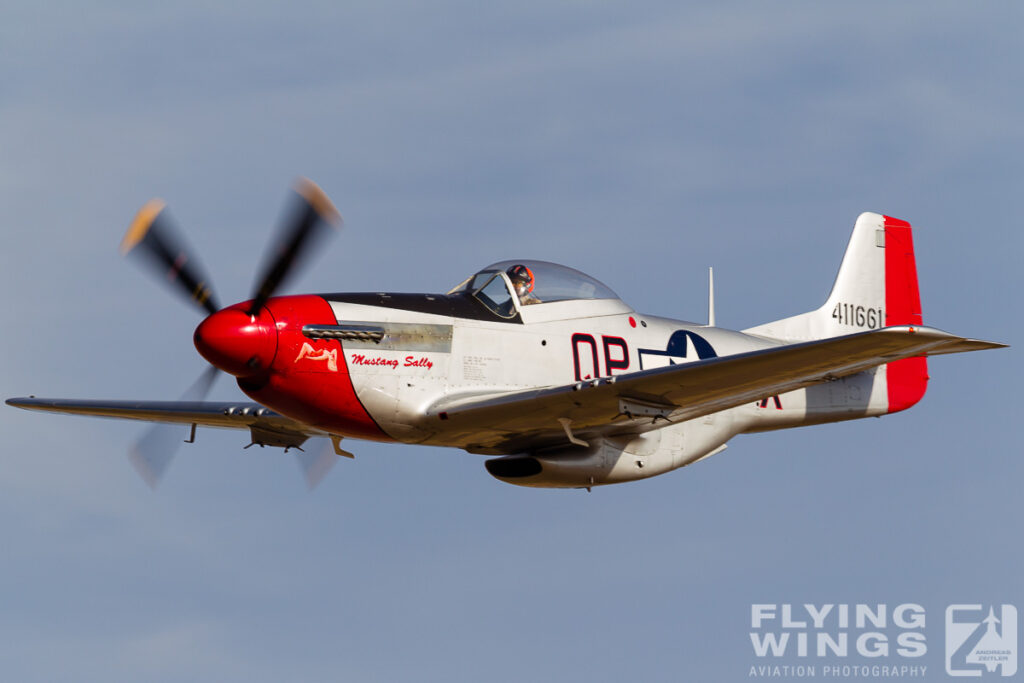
(236, 342)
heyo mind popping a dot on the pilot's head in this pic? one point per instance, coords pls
(522, 279)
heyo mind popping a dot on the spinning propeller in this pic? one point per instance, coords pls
(233, 339)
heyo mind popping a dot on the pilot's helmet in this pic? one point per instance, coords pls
(522, 279)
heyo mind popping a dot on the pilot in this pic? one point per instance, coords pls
(522, 281)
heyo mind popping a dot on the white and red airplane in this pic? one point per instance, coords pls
(534, 363)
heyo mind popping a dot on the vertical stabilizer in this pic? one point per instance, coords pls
(876, 287)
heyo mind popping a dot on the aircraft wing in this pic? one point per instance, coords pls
(152, 454)
(512, 422)
(203, 413)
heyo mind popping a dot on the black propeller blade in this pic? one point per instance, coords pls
(310, 219)
(154, 238)
(153, 452)
(317, 463)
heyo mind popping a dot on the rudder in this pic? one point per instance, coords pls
(906, 380)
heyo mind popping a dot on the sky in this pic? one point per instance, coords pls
(640, 143)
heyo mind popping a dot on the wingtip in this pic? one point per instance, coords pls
(946, 342)
(983, 345)
(21, 401)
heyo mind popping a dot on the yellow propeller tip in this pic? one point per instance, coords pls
(141, 223)
(319, 200)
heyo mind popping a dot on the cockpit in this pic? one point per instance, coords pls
(508, 287)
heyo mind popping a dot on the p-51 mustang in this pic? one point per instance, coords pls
(532, 362)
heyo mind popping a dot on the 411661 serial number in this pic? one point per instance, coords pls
(858, 316)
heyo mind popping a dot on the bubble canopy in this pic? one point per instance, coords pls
(552, 282)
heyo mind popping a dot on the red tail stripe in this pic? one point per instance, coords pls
(906, 379)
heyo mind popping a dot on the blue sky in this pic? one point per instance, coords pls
(637, 143)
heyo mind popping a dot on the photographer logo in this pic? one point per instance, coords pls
(981, 640)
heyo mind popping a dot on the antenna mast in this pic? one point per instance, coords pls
(711, 296)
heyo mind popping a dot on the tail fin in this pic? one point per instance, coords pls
(876, 287)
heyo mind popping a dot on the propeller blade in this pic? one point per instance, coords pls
(316, 464)
(308, 222)
(153, 452)
(154, 238)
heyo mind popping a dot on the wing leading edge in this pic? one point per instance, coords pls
(202, 413)
(510, 422)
